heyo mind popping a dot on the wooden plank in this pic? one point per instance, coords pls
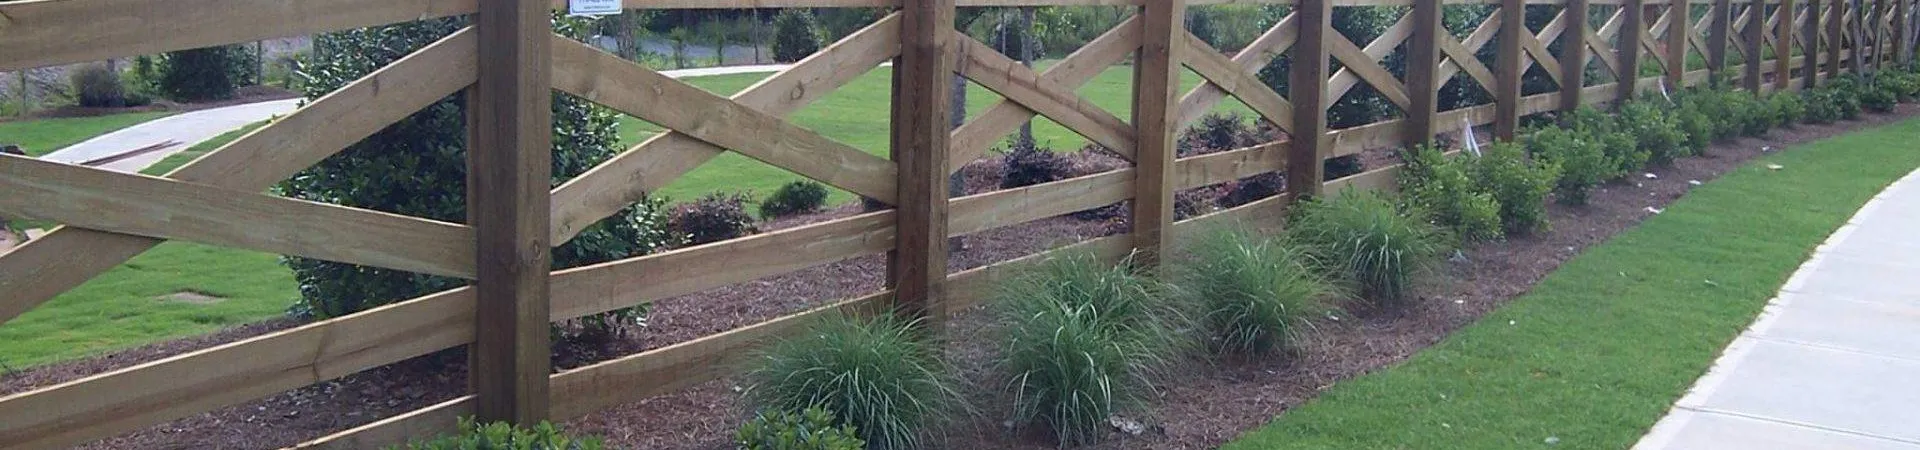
(53, 32)
(977, 286)
(1345, 79)
(917, 268)
(1755, 37)
(1363, 65)
(1603, 51)
(1783, 48)
(1813, 36)
(1652, 45)
(1677, 32)
(1223, 74)
(1275, 41)
(652, 164)
(1633, 26)
(128, 399)
(622, 85)
(1214, 168)
(1164, 45)
(443, 417)
(1902, 32)
(66, 257)
(971, 140)
(1460, 54)
(1836, 38)
(1423, 68)
(1308, 83)
(1573, 75)
(510, 165)
(1506, 91)
(1718, 32)
(141, 205)
(1008, 207)
(1017, 82)
(1537, 54)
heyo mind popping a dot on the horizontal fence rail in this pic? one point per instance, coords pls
(1586, 52)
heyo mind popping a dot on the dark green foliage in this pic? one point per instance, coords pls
(203, 74)
(96, 86)
(797, 197)
(1581, 157)
(1341, 167)
(795, 35)
(1369, 241)
(1823, 105)
(811, 429)
(504, 436)
(1249, 189)
(1029, 164)
(1847, 90)
(1253, 294)
(1215, 132)
(1519, 184)
(712, 218)
(1787, 108)
(1084, 340)
(1445, 188)
(1657, 133)
(877, 375)
(1620, 149)
(417, 167)
(1697, 127)
(1879, 97)
(1904, 85)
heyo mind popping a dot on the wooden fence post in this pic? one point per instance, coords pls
(922, 76)
(1506, 78)
(1812, 33)
(1632, 23)
(1718, 34)
(1308, 85)
(1156, 83)
(1573, 62)
(1679, 25)
(1755, 34)
(509, 170)
(1783, 48)
(1423, 67)
(1836, 38)
(1902, 50)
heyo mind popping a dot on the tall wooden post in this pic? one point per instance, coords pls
(1573, 62)
(1506, 78)
(1308, 85)
(1836, 35)
(1812, 36)
(1874, 16)
(1156, 82)
(1632, 21)
(1882, 52)
(1902, 51)
(1679, 25)
(509, 169)
(1423, 64)
(1783, 48)
(1755, 36)
(1718, 32)
(917, 267)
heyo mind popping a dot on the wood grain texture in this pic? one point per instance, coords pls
(1537, 52)
(1220, 167)
(1506, 91)
(622, 85)
(141, 205)
(440, 418)
(652, 164)
(917, 267)
(1678, 29)
(1350, 76)
(1812, 36)
(43, 33)
(1754, 34)
(1423, 70)
(124, 400)
(1632, 30)
(1156, 82)
(1308, 83)
(66, 257)
(1363, 65)
(1573, 44)
(1233, 79)
(1018, 83)
(972, 139)
(1783, 47)
(1275, 41)
(1719, 31)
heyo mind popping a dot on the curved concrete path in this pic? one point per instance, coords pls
(1833, 362)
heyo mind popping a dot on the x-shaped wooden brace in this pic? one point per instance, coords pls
(972, 139)
(1651, 44)
(1234, 77)
(1016, 82)
(1602, 50)
(1534, 45)
(1458, 56)
(1364, 64)
(1737, 28)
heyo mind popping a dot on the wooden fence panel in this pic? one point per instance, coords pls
(1156, 82)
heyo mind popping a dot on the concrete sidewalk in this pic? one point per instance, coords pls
(1834, 360)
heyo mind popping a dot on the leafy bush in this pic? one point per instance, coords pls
(1581, 158)
(203, 74)
(876, 375)
(1697, 127)
(1029, 164)
(418, 167)
(1823, 105)
(795, 35)
(96, 86)
(1518, 184)
(504, 436)
(1787, 108)
(1847, 90)
(1341, 167)
(1369, 241)
(1084, 340)
(795, 198)
(1214, 132)
(1904, 85)
(1254, 294)
(712, 218)
(1445, 187)
(1879, 97)
(1249, 189)
(811, 429)
(1620, 148)
(1658, 134)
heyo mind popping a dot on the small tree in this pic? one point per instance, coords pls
(203, 74)
(795, 35)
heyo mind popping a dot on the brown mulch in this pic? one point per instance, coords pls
(1209, 407)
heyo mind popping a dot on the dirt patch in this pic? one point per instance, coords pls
(191, 297)
(1211, 406)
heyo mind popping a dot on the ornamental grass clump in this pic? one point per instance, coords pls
(1369, 241)
(878, 375)
(1253, 294)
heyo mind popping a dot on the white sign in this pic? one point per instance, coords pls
(593, 7)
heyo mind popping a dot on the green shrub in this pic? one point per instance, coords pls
(1518, 184)
(712, 218)
(877, 375)
(1446, 188)
(1788, 108)
(1847, 90)
(1084, 340)
(96, 86)
(1029, 164)
(504, 436)
(204, 74)
(1368, 241)
(1254, 294)
(1214, 132)
(1657, 134)
(1879, 98)
(811, 429)
(1823, 105)
(797, 197)
(1904, 85)
(795, 35)
(1697, 127)
(1581, 158)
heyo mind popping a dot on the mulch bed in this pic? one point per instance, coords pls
(1210, 406)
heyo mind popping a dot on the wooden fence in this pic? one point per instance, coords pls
(508, 59)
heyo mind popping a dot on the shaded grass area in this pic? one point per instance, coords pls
(41, 136)
(1596, 352)
(176, 160)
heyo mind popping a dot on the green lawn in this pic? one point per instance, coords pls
(1596, 353)
(857, 115)
(41, 136)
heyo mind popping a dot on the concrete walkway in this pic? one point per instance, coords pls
(1834, 360)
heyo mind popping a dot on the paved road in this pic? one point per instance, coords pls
(1834, 360)
(198, 126)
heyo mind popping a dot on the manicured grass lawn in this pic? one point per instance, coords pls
(858, 114)
(41, 136)
(176, 160)
(1596, 353)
